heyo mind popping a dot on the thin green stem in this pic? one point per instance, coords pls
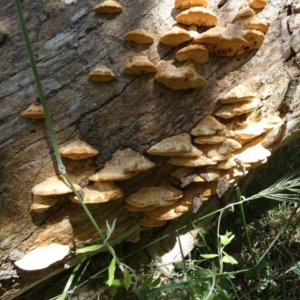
(61, 167)
(240, 198)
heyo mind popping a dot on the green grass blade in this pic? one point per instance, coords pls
(71, 278)
(281, 231)
(239, 197)
(61, 166)
(38, 84)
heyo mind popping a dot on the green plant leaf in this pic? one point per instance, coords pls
(113, 290)
(127, 279)
(223, 293)
(202, 272)
(228, 259)
(88, 249)
(156, 282)
(111, 272)
(157, 258)
(145, 283)
(209, 255)
(225, 239)
(117, 282)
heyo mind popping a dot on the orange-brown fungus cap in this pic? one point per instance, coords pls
(198, 54)
(174, 145)
(139, 36)
(245, 11)
(157, 195)
(99, 192)
(199, 16)
(223, 41)
(123, 165)
(184, 4)
(175, 37)
(181, 78)
(238, 94)
(236, 109)
(256, 23)
(42, 203)
(78, 150)
(209, 139)
(34, 111)
(252, 153)
(164, 213)
(150, 222)
(207, 126)
(140, 64)
(257, 4)
(200, 161)
(254, 39)
(102, 73)
(108, 7)
(54, 185)
(134, 208)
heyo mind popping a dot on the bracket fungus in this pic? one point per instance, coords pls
(102, 74)
(245, 11)
(150, 222)
(181, 78)
(238, 94)
(34, 111)
(134, 208)
(164, 213)
(236, 109)
(252, 153)
(183, 4)
(78, 150)
(139, 36)
(99, 192)
(108, 7)
(180, 144)
(223, 41)
(200, 161)
(42, 203)
(54, 185)
(198, 54)
(199, 16)
(43, 257)
(123, 165)
(256, 23)
(140, 64)
(157, 195)
(229, 145)
(207, 126)
(252, 131)
(175, 37)
(183, 173)
(257, 4)
(209, 139)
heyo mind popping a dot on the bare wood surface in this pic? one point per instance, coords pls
(69, 40)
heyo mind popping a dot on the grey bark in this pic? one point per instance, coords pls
(69, 40)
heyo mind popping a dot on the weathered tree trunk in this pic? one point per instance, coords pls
(69, 40)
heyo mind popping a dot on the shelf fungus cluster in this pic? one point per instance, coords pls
(123, 165)
(217, 152)
(245, 33)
